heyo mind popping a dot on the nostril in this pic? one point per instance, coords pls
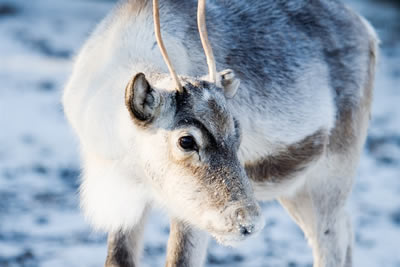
(246, 230)
(246, 219)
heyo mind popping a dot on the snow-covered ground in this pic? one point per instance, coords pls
(40, 221)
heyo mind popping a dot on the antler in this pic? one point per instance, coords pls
(157, 30)
(201, 23)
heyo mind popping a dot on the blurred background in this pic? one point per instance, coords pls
(40, 221)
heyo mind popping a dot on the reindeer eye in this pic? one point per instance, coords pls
(188, 143)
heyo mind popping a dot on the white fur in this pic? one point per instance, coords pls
(94, 104)
(121, 166)
(299, 117)
(111, 197)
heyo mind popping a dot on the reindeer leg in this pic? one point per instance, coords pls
(124, 248)
(187, 246)
(319, 211)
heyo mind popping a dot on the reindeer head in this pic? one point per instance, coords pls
(188, 142)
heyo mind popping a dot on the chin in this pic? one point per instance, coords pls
(231, 239)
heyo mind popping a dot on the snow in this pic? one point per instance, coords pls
(40, 221)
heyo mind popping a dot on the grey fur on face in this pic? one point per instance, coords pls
(220, 172)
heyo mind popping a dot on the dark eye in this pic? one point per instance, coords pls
(188, 143)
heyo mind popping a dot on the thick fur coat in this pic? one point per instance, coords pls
(293, 131)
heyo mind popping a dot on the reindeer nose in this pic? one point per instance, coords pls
(247, 218)
(246, 230)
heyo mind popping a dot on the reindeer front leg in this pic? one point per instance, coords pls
(124, 248)
(319, 210)
(187, 246)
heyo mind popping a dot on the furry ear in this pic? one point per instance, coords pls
(229, 82)
(141, 100)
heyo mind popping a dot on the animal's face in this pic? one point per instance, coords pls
(188, 143)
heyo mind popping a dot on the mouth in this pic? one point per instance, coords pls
(234, 237)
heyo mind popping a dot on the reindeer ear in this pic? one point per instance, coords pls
(141, 100)
(229, 82)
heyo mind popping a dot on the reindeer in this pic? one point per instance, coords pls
(208, 151)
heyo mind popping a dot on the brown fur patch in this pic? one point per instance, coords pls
(223, 183)
(118, 254)
(351, 122)
(292, 160)
(179, 245)
(124, 247)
